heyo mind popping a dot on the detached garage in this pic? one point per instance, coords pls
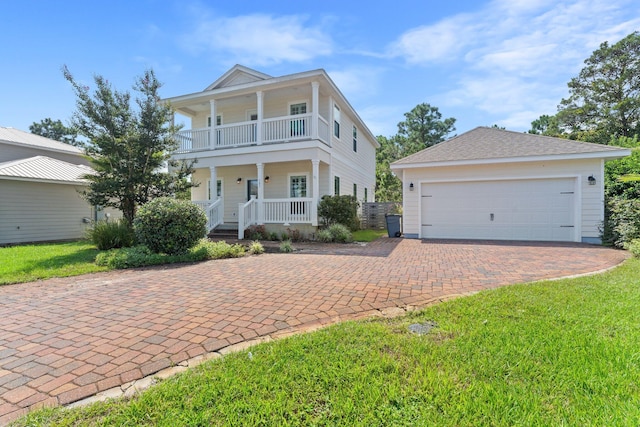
(493, 184)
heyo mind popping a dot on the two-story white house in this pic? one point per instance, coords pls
(268, 148)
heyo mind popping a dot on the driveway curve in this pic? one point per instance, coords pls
(62, 340)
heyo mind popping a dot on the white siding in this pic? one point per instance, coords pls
(591, 204)
(33, 211)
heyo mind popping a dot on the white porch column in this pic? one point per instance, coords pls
(315, 94)
(214, 124)
(213, 179)
(260, 167)
(260, 109)
(315, 185)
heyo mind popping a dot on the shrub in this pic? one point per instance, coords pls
(294, 235)
(324, 236)
(623, 220)
(339, 210)
(286, 247)
(141, 256)
(340, 233)
(256, 232)
(170, 226)
(273, 236)
(109, 235)
(256, 248)
(634, 247)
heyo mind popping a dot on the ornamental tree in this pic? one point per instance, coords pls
(129, 146)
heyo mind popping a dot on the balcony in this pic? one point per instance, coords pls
(268, 131)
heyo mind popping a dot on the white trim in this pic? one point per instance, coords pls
(289, 175)
(303, 101)
(577, 192)
(251, 111)
(47, 181)
(221, 179)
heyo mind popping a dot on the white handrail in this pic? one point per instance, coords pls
(247, 215)
(214, 211)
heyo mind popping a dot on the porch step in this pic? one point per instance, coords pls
(224, 232)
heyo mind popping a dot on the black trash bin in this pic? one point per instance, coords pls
(394, 228)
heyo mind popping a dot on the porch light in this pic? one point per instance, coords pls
(238, 181)
(592, 180)
(266, 179)
(411, 187)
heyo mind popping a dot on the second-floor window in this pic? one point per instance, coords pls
(336, 121)
(355, 139)
(218, 121)
(299, 108)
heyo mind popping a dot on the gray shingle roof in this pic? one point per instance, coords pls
(16, 136)
(484, 143)
(43, 168)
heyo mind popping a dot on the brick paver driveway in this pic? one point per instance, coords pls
(65, 339)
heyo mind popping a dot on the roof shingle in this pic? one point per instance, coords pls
(484, 143)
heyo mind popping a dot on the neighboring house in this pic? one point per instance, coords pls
(501, 185)
(40, 181)
(268, 148)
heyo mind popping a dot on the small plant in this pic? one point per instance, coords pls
(634, 247)
(286, 247)
(324, 236)
(294, 235)
(170, 226)
(256, 248)
(109, 235)
(340, 233)
(273, 236)
(284, 236)
(256, 232)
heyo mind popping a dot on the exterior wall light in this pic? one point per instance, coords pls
(592, 180)
(411, 187)
(266, 179)
(238, 181)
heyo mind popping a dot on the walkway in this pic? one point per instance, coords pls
(62, 340)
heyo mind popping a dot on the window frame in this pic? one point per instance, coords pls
(336, 185)
(306, 184)
(336, 121)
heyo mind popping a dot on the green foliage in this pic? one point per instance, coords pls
(294, 235)
(546, 125)
(286, 247)
(339, 210)
(128, 148)
(368, 235)
(112, 234)
(170, 226)
(604, 99)
(141, 256)
(56, 130)
(273, 236)
(324, 236)
(256, 232)
(634, 247)
(256, 248)
(423, 127)
(624, 219)
(340, 233)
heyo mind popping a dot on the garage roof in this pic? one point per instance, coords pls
(41, 168)
(488, 145)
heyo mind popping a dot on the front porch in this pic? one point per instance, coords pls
(286, 212)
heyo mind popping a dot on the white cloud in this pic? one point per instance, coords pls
(514, 58)
(259, 39)
(355, 82)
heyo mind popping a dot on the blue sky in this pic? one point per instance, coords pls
(502, 62)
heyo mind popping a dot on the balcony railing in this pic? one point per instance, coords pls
(276, 130)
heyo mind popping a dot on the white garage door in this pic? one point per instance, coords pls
(534, 209)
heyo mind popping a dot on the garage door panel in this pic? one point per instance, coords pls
(540, 209)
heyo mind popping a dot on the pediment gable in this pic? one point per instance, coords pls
(237, 75)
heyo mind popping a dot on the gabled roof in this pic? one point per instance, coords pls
(19, 137)
(42, 168)
(487, 145)
(238, 75)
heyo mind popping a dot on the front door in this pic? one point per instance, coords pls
(252, 188)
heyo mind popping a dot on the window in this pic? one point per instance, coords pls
(299, 108)
(298, 186)
(365, 195)
(355, 139)
(355, 190)
(218, 189)
(336, 121)
(218, 121)
(336, 185)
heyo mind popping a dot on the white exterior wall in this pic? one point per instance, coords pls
(590, 197)
(36, 211)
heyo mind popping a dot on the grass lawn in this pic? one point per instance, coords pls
(368, 235)
(551, 353)
(32, 262)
